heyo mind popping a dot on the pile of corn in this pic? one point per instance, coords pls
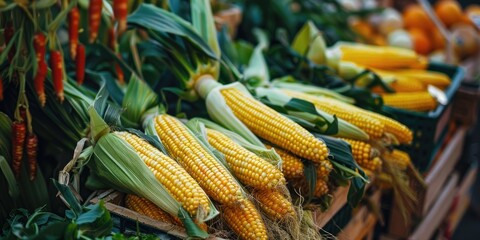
(406, 73)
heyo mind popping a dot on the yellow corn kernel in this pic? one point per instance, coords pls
(403, 85)
(397, 157)
(149, 209)
(197, 161)
(274, 127)
(415, 101)
(363, 155)
(323, 170)
(275, 204)
(400, 131)
(245, 220)
(380, 57)
(292, 166)
(171, 175)
(247, 167)
(345, 111)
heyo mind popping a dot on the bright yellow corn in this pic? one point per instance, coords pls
(342, 110)
(415, 101)
(323, 170)
(363, 155)
(208, 172)
(400, 131)
(149, 209)
(274, 204)
(171, 175)
(274, 127)
(245, 220)
(292, 166)
(403, 85)
(436, 79)
(397, 157)
(380, 57)
(248, 167)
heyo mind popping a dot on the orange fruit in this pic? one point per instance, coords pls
(449, 12)
(415, 17)
(438, 41)
(421, 43)
(363, 28)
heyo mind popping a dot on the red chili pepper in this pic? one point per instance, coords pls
(32, 148)
(80, 64)
(120, 10)
(8, 34)
(1, 88)
(73, 25)
(120, 76)
(56, 65)
(18, 142)
(94, 18)
(39, 43)
(112, 42)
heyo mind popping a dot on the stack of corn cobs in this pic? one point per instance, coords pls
(255, 165)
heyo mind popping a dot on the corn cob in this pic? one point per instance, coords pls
(245, 220)
(401, 132)
(149, 209)
(342, 110)
(198, 162)
(321, 187)
(248, 167)
(379, 57)
(171, 175)
(274, 127)
(436, 79)
(292, 166)
(363, 155)
(415, 101)
(397, 157)
(403, 85)
(324, 169)
(275, 204)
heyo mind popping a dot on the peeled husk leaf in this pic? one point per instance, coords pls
(309, 42)
(290, 84)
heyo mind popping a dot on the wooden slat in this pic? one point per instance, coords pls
(463, 198)
(339, 200)
(437, 214)
(437, 176)
(362, 222)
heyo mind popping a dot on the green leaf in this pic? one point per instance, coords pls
(69, 197)
(8, 174)
(54, 231)
(5, 136)
(96, 221)
(192, 229)
(202, 20)
(163, 22)
(98, 126)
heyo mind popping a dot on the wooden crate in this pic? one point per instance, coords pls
(114, 203)
(435, 183)
(339, 200)
(362, 224)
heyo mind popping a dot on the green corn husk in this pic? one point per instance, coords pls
(309, 42)
(291, 84)
(315, 116)
(117, 164)
(256, 74)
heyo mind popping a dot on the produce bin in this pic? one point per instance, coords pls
(429, 128)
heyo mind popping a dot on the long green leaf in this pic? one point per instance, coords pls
(163, 22)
